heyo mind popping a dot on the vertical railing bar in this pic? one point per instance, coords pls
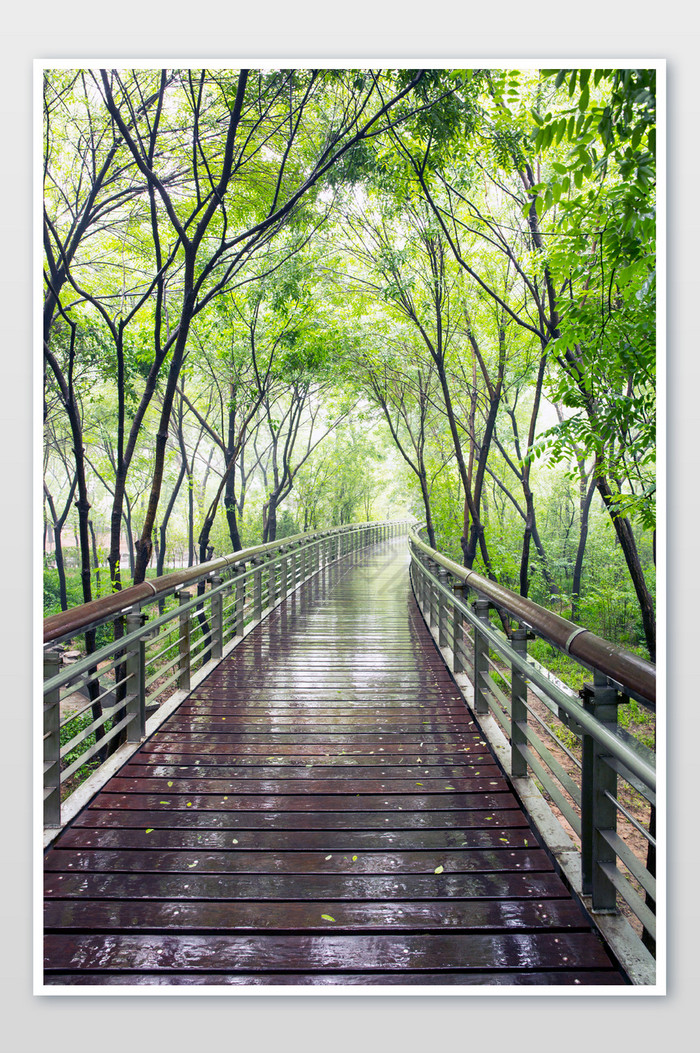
(136, 669)
(481, 609)
(518, 710)
(52, 743)
(183, 596)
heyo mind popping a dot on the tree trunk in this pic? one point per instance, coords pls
(625, 536)
(160, 556)
(57, 527)
(426, 504)
(585, 507)
(95, 557)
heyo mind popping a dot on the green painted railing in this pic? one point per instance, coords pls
(157, 637)
(571, 747)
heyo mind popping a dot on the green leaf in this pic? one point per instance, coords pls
(327, 917)
(438, 870)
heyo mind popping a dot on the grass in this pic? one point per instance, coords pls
(70, 729)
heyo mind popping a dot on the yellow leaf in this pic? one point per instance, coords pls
(439, 870)
(327, 917)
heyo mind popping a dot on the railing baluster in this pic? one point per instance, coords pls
(52, 743)
(432, 597)
(457, 627)
(284, 567)
(240, 600)
(217, 618)
(271, 582)
(481, 648)
(598, 812)
(518, 711)
(136, 680)
(443, 575)
(257, 590)
(184, 644)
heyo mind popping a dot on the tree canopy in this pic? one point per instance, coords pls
(282, 299)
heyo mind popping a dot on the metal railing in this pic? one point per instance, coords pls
(571, 746)
(153, 638)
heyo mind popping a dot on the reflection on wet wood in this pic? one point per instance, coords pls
(322, 810)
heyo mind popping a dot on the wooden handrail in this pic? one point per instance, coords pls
(628, 670)
(77, 619)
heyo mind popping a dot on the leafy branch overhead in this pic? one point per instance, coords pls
(278, 299)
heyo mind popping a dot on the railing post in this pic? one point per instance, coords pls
(271, 582)
(240, 600)
(457, 624)
(430, 567)
(424, 586)
(518, 708)
(283, 571)
(443, 575)
(598, 811)
(257, 590)
(52, 743)
(481, 665)
(217, 618)
(184, 679)
(136, 677)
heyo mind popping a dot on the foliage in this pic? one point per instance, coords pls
(277, 300)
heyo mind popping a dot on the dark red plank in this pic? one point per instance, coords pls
(260, 953)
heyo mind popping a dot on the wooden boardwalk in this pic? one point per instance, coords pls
(321, 810)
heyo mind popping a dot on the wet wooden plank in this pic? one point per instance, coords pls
(286, 802)
(323, 809)
(259, 953)
(235, 861)
(349, 840)
(312, 767)
(348, 916)
(169, 819)
(561, 978)
(288, 887)
(255, 785)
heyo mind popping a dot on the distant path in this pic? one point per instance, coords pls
(321, 810)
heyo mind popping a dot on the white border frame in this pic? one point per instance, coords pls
(370, 63)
